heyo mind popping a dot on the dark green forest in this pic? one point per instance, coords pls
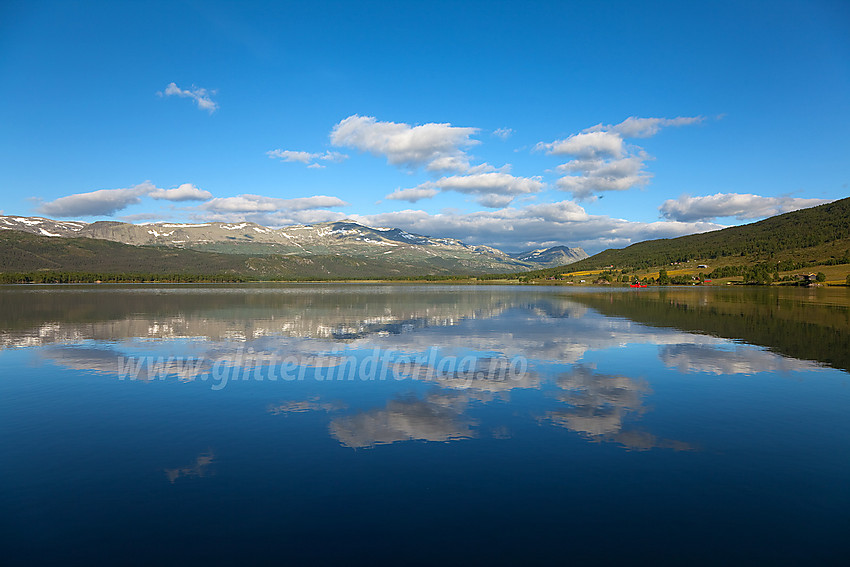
(29, 258)
(787, 325)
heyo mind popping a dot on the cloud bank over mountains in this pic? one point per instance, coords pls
(535, 226)
(600, 158)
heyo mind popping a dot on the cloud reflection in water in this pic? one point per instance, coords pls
(558, 339)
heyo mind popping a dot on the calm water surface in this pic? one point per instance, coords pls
(415, 424)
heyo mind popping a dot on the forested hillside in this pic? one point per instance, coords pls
(30, 258)
(782, 236)
(22, 252)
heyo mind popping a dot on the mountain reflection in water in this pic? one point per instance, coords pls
(313, 420)
(551, 332)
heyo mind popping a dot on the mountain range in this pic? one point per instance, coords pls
(390, 251)
(40, 249)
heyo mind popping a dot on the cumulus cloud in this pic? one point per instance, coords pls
(503, 133)
(487, 183)
(201, 96)
(270, 211)
(184, 192)
(413, 194)
(291, 155)
(307, 158)
(588, 176)
(436, 147)
(105, 202)
(587, 145)
(603, 161)
(492, 188)
(633, 127)
(494, 201)
(536, 225)
(259, 203)
(743, 206)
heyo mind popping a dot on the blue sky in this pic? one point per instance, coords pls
(514, 124)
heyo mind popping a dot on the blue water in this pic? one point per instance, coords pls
(414, 424)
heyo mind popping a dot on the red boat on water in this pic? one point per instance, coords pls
(637, 285)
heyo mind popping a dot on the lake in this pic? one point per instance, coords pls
(282, 424)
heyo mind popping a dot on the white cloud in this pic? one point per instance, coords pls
(291, 155)
(270, 211)
(503, 133)
(201, 96)
(333, 156)
(275, 218)
(624, 167)
(587, 145)
(458, 163)
(413, 194)
(634, 127)
(184, 192)
(487, 183)
(103, 202)
(493, 188)
(603, 160)
(597, 175)
(535, 226)
(437, 147)
(741, 206)
(494, 201)
(310, 159)
(487, 168)
(259, 203)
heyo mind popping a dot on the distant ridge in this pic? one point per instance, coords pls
(556, 255)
